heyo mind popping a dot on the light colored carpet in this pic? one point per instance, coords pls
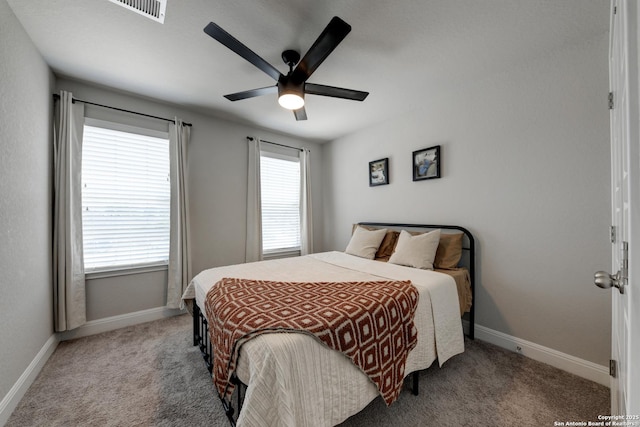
(151, 375)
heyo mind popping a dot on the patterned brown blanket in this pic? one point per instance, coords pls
(370, 322)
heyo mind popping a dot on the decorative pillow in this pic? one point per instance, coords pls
(388, 243)
(364, 243)
(416, 251)
(449, 251)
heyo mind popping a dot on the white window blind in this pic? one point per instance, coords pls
(280, 194)
(125, 198)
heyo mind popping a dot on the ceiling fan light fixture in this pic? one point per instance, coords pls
(291, 101)
(290, 95)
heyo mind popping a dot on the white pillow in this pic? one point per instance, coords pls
(365, 243)
(416, 251)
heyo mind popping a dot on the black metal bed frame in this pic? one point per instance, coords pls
(202, 340)
(201, 327)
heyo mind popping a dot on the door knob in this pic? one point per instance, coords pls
(619, 280)
(605, 280)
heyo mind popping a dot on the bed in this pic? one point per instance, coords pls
(293, 378)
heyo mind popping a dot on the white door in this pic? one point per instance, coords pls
(625, 203)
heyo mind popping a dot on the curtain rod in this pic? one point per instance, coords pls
(56, 97)
(250, 138)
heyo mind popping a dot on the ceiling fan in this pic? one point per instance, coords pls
(292, 88)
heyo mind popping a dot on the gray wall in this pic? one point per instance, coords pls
(526, 169)
(218, 192)
(26, 297)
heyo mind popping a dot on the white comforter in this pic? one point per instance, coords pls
(294, 380)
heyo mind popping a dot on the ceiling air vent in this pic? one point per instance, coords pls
(152, 9)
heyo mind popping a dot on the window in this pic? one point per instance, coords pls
(125, 196)
(280, 194)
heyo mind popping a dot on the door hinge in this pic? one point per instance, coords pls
(610, 100)
(612, 231)
(613, 368)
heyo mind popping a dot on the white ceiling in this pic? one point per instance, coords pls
(403, 52)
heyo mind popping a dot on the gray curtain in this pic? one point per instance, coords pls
(253, 249)
(179, 240)
(68, 263)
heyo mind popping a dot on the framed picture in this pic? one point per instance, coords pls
(426, 163)
(379, 172)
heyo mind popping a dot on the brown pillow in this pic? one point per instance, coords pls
(449, 251)
(388, 243)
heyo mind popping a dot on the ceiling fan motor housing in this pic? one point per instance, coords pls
(291, 58)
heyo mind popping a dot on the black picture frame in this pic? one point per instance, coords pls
(426, 163)
(379, 172)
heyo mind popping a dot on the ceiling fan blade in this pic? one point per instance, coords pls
(252, 93)
(235, 45)
(335, 92)
(300, 113)
(328, 40)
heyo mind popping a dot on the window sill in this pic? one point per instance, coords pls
(281, 254)
(124, 271)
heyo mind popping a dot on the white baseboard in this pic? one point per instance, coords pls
(121, 321)
(11, 400)
(566, 362)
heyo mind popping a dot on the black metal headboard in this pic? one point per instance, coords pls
(468, 247)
